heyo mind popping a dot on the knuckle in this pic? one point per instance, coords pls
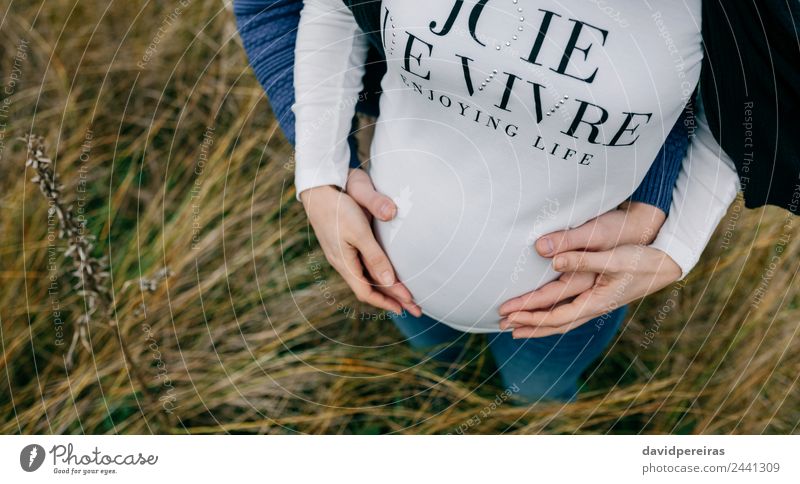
(358, 232)
(598, 239)
(566, 241)
(377, 261)
(587, 282)
(353, 179)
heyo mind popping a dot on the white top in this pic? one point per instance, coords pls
(501, 122)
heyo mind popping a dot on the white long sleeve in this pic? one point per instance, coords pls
(330, 54)
(706, 186)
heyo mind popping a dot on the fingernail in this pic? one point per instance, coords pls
(545, 246)
(559, 263)
(387, 211)
(386, 278)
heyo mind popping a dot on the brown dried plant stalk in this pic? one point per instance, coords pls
(90, 272)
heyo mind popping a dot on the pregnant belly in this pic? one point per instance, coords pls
(460, 247)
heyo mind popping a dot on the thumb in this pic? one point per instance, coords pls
(588, 236)
(360, 189)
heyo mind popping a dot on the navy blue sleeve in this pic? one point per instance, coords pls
(656, 188)
(268, 29)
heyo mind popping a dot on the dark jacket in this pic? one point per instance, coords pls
(750, 84)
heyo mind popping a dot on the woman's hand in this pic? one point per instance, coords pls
(342, 225)
(605, 264)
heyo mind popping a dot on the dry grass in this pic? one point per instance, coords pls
(240, 338)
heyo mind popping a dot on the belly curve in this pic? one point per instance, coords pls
(462, 241)
(460, 275)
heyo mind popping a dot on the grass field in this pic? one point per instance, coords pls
(165, 145)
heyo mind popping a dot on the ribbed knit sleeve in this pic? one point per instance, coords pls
(657, 187)
(268, 29)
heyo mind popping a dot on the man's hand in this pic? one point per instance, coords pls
(597, 275)
(631, 223)
(341, 223)
(619, 275)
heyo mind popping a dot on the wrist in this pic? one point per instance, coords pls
(670, 269)
(645, 219)
(308, 196)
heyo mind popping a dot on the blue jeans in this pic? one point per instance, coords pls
(533, 369)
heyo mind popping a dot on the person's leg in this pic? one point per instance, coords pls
(436, 339)
(548, 368)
